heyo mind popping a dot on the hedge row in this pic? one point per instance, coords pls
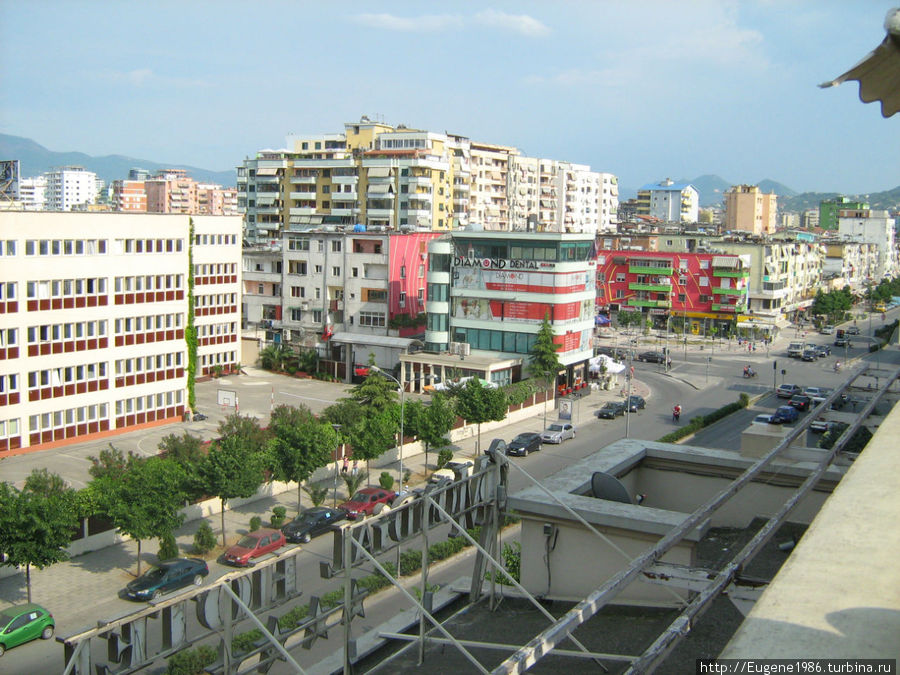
(701, 421)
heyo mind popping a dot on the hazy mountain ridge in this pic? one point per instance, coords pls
(35, 159)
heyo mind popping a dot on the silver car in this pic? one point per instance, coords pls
(558, 432)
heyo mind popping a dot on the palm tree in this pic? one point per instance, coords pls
(317, 493)
(354, 481)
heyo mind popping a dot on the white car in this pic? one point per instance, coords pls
(763, 419)
(558, 432)
(816, 394)
(827, 330)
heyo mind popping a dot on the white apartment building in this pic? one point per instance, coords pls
(93, 321)
(33, 193)
(669, 202)
(854, 263)
(69, 187)
(876, 227)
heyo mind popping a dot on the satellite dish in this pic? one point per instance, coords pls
(606, 486)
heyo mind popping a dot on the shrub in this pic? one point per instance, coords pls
(168, 548)
(332, 599)
(512, 563)
(245, 641)
(407, 474)
(278, 515)
(255, 523)
(444, 456)
(204, 538)
(190, 661)
(410, 562)
(293, 617)
(386, 480)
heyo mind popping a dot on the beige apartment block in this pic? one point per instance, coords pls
(748, 209)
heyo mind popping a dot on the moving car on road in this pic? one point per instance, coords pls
(169, 576)
(636, 403)
(853, 330)
(522, 444)
(311, 523)
(809, 354)
(23, 623)
(823, 350)
(366, 500)
(826, 330)
(652, 357)
(558, 432)
(611, 409)
(254, 545)
(787, 390)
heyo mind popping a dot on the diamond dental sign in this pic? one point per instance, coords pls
(497, 263)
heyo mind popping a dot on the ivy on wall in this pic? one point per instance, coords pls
(190, 333)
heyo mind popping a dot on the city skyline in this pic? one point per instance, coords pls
(644, 91)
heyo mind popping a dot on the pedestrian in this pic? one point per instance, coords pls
(739, 341)
(753, 344)
(355, 467)
(345, 466)
(749, 348)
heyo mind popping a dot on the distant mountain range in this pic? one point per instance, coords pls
(35, 159)
(712, 190)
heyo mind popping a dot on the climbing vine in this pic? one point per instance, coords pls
(190, 333)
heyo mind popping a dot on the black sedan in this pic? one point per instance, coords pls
(800, 402)
(652, 357)
(611, 409)
(823, 351)
(312, 523)
(522, 444)
(169, 576)
(636, 403)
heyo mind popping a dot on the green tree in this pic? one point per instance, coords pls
(376, 391)
(626, 318)
(354, 481)
(229, 471)
(186, 449)
(372, 436)
(43, 482)
(244, 432)
(300, 444)
(274, 357)
(544, 364)
(144, 502)
(431, 422)
(479, 404)
(346, 412)
(111, 462)
(35, 528)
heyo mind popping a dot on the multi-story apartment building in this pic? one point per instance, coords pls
(215, 200)
(706, 292)
(33, 193)
(829, 211)
(399, 178)
(669, 202)
(489, 292)
(876, 227)
(748, 209)
(129, 196)
(93, 320)
(850, 264)
(68, 187)
(171, 191)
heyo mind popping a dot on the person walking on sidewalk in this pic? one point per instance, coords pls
(345, 467)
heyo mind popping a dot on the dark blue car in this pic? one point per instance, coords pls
(785, 414)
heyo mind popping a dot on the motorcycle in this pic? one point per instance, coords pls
(837, 367)
(676, 414)
(750, 373)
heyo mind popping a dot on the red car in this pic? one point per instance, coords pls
(363, 503)
(254, 545)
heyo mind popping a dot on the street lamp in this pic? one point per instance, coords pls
(402, 400)
(337, 428)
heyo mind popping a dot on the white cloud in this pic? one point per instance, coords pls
(518, 23)
(428, 22)
(145, 77)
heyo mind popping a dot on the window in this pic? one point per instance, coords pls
(335, 245)
(260, 289)
(402, 298)
(354, 271)
(335, 271)
(297, 267)
(704, 264)
(317, 316)
(374, 319)
(420, 295)
(682, 280)
(682, 297)
(318, 269)
(403, 271)
(620, 276)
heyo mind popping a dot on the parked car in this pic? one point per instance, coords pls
(840, 402)
(809, 354)
(522, 444)
(787, 390)
(652, 357)
(611, 409)
(636, 403)
(827, 330)
(311, 523)
(558, 432)
(816, 394)
(785, 413)
(763, 419)
(167, 577)
(365, 501)
(254, 545)
(823, 350)
(24, 623)
(800, 402)
(821, 424)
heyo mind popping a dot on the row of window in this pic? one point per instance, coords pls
(218, 359)
(148, 246)
(495, 340)
(438, 292)
(66, 331)
(214, 269)
(148, 282)
(215, 239)
(373, 319)
(151, 363)
(57, 377)
(64, 247)
(9, 428)
(216, 329)
(137, 324)
(140, 404)
(215, 299)
(64, 288)
(63, 418)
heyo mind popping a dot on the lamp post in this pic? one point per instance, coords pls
(337, 428)
(402, 400)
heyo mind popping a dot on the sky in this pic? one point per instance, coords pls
(639, 88)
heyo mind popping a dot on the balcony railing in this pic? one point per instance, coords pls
(642, 269)
(661, 288)
(637, 302)
(730, 291)
(740, 274)
(721, 307)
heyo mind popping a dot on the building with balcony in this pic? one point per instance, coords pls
(850, 264)
(875, 227)
(129, 196)
(669, 202)
(69, 187)
(93, 314)
(829, 211)
(698, 291)
(748, 209)
(488, 294)
(33, 193)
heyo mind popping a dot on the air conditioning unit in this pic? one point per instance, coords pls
(464, 348)
(287, 335)
(453, 347)
(304, 306)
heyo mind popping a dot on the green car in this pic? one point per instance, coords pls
(24, 623)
